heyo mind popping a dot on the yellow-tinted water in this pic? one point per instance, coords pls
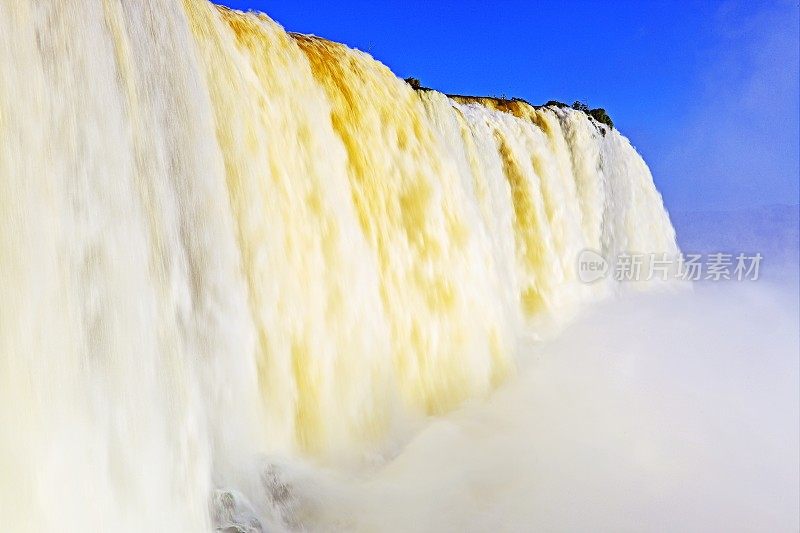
(220, 240)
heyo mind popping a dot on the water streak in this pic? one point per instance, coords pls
(222, 242)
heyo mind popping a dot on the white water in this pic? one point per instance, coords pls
(661, 412)
(228, 252)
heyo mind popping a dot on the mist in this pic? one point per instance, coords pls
(253, 281)
(737, 143)
(658, 412)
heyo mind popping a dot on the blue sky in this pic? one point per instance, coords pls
(706, 91)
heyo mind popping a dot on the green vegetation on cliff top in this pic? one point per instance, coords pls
(598, 114)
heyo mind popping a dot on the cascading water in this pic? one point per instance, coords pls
(222, 242)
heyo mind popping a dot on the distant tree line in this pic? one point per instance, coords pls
(598, 113)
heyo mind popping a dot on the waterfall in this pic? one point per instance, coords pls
(221, 242)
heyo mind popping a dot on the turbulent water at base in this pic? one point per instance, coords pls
(225, 246)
